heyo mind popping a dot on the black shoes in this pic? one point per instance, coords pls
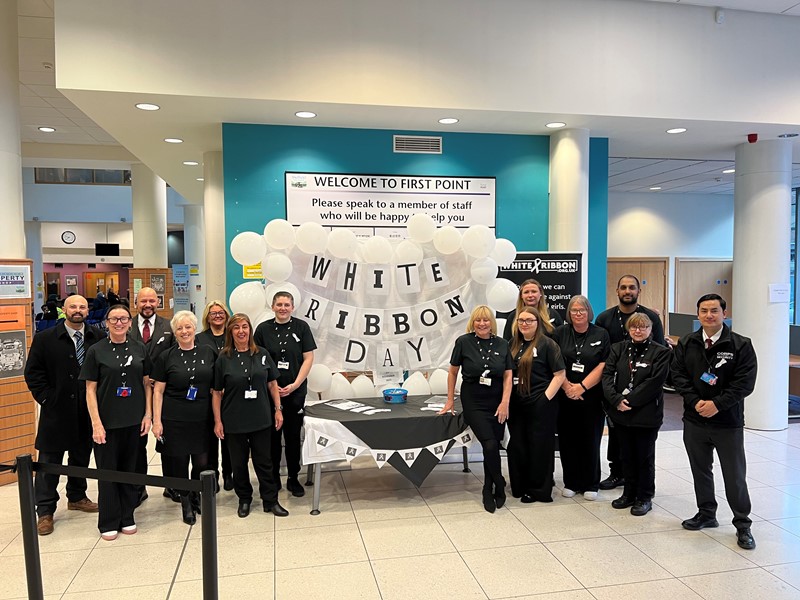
(171, 494)
(641, 508)
(227, 483)
(294, 486)
(700, 521)
(611, 482)
(488, 500)
(622, 502)
(745, 539)
(527, 499)
(188, 511)
(244, 509)
(276, 509)
(500, 494)
(143, 496)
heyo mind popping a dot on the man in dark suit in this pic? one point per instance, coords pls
(156, 334)
(51, 373)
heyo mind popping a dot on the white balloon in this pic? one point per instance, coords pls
(342, 243)
(502, 294)
(408, 252)
(447, 240)
(362, 387)
(478, 241)
(483, 270)
(319, 378)
(340, 387)
(417, 386)
(438, 381)
(312, 238)
(248, 298)
(284, 286)
(279, 234)
(378, 250)
(459, 381)
(265, 315)
(501, 326)
(276, 267)
(248, 248)
(421, 228)
(504, 252)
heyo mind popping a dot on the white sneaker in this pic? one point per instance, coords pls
(567, 493)
(591, 496)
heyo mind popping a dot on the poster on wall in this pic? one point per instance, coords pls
(15, 281)
(158, 282)
(371, 203)
(12, 354)
(559, 273)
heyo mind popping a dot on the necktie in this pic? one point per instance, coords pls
(80, 351)
(709, 343)
(146, 331)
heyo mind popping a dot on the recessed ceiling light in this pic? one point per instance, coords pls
(677, 130)
(788, 135)
(448, 121)
(655, 188)
(47, 129)
(305, 114)
(729, 171)
(147, 106)
(173, 140)
(191, 163)
(555, 125)
(199, 179)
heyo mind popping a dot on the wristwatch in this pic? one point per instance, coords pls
(279, 407)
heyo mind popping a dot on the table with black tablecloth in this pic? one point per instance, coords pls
(410, 439)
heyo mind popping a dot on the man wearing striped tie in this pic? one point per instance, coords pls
(51, 373)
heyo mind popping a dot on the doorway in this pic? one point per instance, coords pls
(652, 273)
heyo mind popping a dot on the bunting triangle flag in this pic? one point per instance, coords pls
(465, 438)
(381, 456)
(438, 449)
(409, 455)
(351, 451)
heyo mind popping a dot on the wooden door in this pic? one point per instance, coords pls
(52, 285)
(696, 277)
(652, 273)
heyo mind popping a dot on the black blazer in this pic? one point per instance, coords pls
(52, 376)
(161, 336)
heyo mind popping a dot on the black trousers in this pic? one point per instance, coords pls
(141, 461)
(256, 444)
(638, 448)
(614, 452)
(117, 501)
(45, 486)
(479, 403)
(700, 442)
(290, 432)
(531, 451)
(214, 454)
(178, 466)
(580, 430)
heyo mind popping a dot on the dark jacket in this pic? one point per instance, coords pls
(52, 377)
(647, 396)
(161, 336)
(732, 360)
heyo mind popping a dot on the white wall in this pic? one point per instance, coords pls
(673, 225)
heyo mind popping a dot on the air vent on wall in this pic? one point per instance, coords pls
(417, 144)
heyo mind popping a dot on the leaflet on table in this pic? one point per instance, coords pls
(357, 407)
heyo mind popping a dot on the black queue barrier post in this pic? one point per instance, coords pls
(208, 524)
(30, 537)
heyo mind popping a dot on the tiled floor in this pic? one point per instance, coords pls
(380, 537)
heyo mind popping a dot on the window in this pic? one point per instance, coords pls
(793, 257)
(83, 176)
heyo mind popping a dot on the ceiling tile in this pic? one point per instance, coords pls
(34, 8)
(42, 77)
(33, 102)
(61, 102)
(99, 134)
(24, 91)
(72, 113)
(37, 47)
(40, 112)
(36, 27)
(46, 91)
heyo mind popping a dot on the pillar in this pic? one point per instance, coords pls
(12, 242)
(194, 248)
(569, 194)
(216, 248)
(149, 193)
(761, 238)
(33, 242)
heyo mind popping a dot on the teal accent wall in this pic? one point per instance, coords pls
(255, 158)
(598, 223)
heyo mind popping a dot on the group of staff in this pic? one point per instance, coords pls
(543, 378)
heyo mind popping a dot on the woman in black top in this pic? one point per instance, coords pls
(215, 318)
(245, 389)
(183, 376)
(485, 394)
(633, 381)
(119, 399)
(538, 377)
(585, 348)
(291, 346)
(531, 294)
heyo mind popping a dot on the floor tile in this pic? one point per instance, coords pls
(354, 581)
(335, 509)
(236, 555)
(623, 522)
(791, 525)
(433, 577)
(311, 546)
(753, 584)
(57, 573)
(519, 570)
(229, 523)
(774, 545)
(569, 595)
(250, 586)
(448, 500)
(8, 533)
(389, 504)
(792, 490)
(451, 474)
(591, 561)
(144, 592)
(473, 531)
(568, 522)
(769, 503)
(790, 573)
(685, 506)
(646, 590)
(404, 537)
(70, 533)
(685, 553)
(364, 480)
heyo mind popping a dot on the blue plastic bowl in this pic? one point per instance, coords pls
(395, 396)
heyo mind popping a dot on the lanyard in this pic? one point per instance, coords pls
(124, 362)
(579, 349)
(485, 355)
(190, 369)
(634, 356)
(522, 349)
(625, 334)
(282, 345)
(247, 370)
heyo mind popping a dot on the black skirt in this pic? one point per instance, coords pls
(479, 403)
(184, 437)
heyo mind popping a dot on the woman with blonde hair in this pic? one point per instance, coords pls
(532, 294)
(486, 366)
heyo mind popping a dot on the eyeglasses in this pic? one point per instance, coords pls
(640, 327)
(577, 311)
(527, 321)
(217, 313)
(115, 320)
